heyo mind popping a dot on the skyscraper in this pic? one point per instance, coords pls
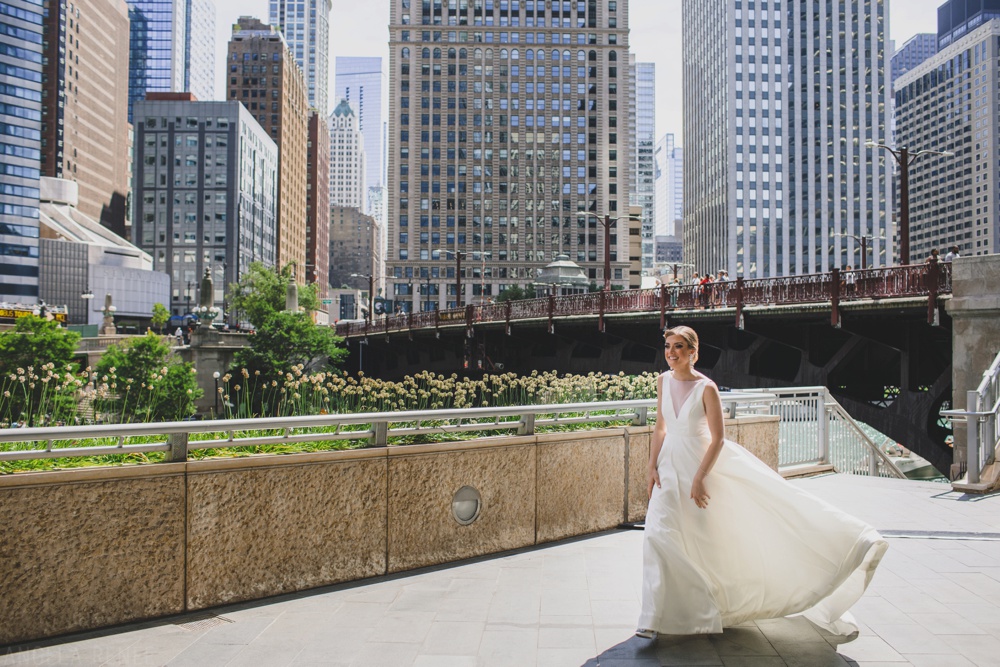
(949, 103)
(85, 117)
(20, 147)
(347, 159)
(264, 76)
(644, 164)
(360, 81)
(777, 110)
(957, 17)
(205, 192)
(509, 134)
(669, 160)
(306, 27)
(914, 51)
(171, 48)
(199, 49)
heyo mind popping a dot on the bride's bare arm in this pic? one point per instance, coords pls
(656, 440)
(713, 413)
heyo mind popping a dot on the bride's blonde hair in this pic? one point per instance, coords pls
(689, 336)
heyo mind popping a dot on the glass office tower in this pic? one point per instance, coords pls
(20, 148)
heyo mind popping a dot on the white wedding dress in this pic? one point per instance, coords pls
(763, 548)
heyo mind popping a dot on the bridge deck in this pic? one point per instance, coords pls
(934, 601)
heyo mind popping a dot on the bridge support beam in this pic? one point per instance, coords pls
(975, 313)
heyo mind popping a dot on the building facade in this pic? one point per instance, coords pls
(355, 248)
(958, 17)
(264, 76)
(777, 110)
(509, 141)
(85, 112)
(318, 204)
(171, 48)
(78, 255)
(306, 28)
(948, 104)
(206, 192)
(643, 158)
(199, 49)
(347, 159)
(21, 56)
(361, 81)
(914, 51)
(669, 180)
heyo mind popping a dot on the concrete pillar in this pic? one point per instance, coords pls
(212, 350)
(975, 312)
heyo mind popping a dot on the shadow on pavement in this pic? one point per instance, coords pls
(773, 642)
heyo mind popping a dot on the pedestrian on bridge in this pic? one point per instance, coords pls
(727, 540)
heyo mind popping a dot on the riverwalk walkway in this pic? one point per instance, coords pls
(934, 601)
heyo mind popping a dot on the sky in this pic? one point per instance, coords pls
(359, 28)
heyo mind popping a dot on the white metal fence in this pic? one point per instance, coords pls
(815, 428)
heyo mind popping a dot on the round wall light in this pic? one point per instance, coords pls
(466, 505)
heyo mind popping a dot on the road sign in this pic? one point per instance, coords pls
(327, 302)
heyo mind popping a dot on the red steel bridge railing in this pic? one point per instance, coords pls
(918, 280)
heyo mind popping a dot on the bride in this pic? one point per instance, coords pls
(727, 540)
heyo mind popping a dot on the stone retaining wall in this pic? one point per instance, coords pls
(93, 547)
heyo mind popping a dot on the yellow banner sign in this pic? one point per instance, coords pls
(14, 313)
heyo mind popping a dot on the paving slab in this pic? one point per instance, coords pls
(934, 601)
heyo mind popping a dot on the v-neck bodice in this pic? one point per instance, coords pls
(680, 392)
(684, 412)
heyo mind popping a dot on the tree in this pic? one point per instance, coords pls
(146, 380)
(160, 316)
(282, 340)
(290, 339)
(37, 368)
(514, 293)
(285, 341)
(35, 341)
(260, 293)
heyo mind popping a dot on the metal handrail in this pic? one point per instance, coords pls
(806, 404)
(816, 406)
(377, 431)
(982, 422)
(916, 280)
(878, 461)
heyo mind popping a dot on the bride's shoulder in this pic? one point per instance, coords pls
(708, 383)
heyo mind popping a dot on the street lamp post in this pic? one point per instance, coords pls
(215, 376)
(87, 297)
(904, 158)
(607, 221)
(371, 292)
(863, 240)
(187, 293)
(427, 283)
(458, 273)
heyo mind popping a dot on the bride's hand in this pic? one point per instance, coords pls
(652, 477)
(698, 493)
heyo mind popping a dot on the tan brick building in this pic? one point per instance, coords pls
(355, 247)
(85, 129)
(318, 204)
(263, 75)
(509, 139)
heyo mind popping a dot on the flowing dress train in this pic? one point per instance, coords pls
(762, 549)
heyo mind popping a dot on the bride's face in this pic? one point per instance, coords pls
(677, 352)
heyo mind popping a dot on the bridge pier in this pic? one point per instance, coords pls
(975, 313)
